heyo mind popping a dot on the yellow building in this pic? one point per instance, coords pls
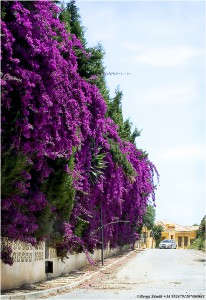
(183, 235)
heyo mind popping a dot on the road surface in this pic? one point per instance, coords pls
(150, 274)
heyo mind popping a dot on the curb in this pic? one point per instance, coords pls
(39, 294)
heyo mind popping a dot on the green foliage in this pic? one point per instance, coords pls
(127, 133)
(98, 166)
(3, 13)
(81, 227)
(202, 229)
(115, 113)
(59, 189)
(198, 244)
(149, 217)
(115, 108)
(13, 165)
(71, 18)
(157, 233)
(45, 221)
(94, 70)
(200, 241)
(60, 193)
(121, 159)
(90, 67)
(65, 17)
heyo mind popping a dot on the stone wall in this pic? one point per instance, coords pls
(30, 264)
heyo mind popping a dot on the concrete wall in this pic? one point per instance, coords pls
(29, 264)
(28, 267)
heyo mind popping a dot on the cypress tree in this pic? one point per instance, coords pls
(90, 66)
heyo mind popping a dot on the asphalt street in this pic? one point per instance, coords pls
(154, 273)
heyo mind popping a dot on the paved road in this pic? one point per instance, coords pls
(154, 273)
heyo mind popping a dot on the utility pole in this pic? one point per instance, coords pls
(102, 234)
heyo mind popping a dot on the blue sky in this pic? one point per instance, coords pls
(161, 45)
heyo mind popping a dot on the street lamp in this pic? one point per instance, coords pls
(102, 234)
(102, 231)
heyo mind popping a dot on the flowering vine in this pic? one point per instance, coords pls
(62, 157)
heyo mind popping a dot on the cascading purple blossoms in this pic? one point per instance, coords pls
(48, 110)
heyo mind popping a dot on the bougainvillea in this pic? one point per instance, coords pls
(62, 158)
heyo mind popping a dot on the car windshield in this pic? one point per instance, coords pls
(166, 241)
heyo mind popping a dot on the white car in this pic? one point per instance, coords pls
(168, 244)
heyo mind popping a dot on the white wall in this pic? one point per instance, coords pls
(29, 264)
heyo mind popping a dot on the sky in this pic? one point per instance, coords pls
(158, 46)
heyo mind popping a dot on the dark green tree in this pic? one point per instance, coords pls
(202, 229)
(90, 66)
(60, 193)
(121, 159)
(115, 108)
(70, 16)
(149, 217)
(115, 113)
(157, 233)
(200, 241)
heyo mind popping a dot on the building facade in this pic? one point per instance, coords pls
(183, 235)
